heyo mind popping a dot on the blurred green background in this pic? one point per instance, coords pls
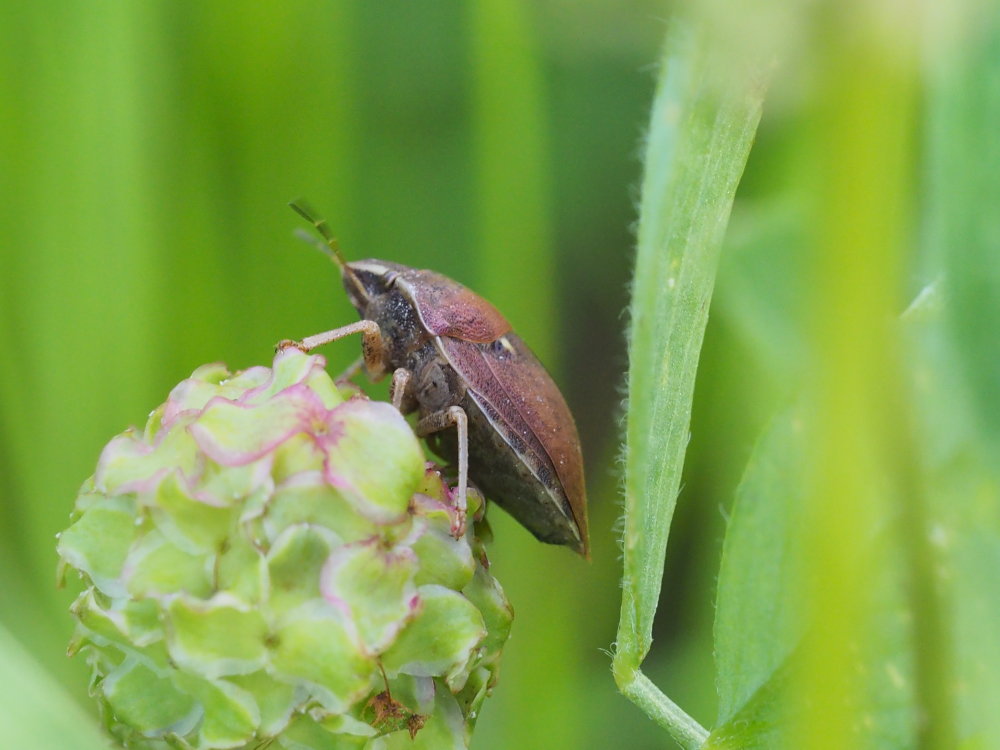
(147, 153)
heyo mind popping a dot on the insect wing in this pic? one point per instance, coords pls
(513, 388)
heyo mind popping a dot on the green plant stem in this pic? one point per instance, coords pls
(639, 689)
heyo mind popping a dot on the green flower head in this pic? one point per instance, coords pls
(269, 565)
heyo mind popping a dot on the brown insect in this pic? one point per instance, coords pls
(455, 361)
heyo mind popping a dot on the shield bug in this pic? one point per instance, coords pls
(482, 398)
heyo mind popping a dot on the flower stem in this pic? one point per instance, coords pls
(685, 730)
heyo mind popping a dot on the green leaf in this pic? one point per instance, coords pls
(37, 711)
(956, 372)
(760, 706)
(704, 118)
(961, 528)
(757, 622)
(974, 562)
(698, 144)
(962, 237)
(762, 721)
(765, 307)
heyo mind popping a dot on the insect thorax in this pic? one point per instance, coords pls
(401, 329)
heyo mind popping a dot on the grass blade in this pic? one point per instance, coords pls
(756, 624)
(703, 123)
(955, 346)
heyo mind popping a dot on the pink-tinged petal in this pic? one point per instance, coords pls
(376, 584)
(233, 434)
(244, 380)
(295, 561)
(209, 381)
(316, 646)
(425, 505)
(187, 521)
(307, 498)
(373, 457)
(444, 559)
(129, 464)
(437, 510)
(408, 536)
(223, 486)
(119, 452)
(421, 650)
(328, 433)
(291, 367)
(261, 539)
(320, 382)
(214, 373)
(188, 395)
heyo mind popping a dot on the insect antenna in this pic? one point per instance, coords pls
(330, 248)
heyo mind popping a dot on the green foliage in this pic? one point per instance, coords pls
(146, 163)
(955, 374)
(146, 167)
(845, 597)
(700, 134)
(756, 622)
(37, 710)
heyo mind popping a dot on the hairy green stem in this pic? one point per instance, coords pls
(639, 689)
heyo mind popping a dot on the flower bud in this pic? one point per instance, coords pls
(270, 565)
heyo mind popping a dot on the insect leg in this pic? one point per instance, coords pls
(442, 420)
(372, 345)
(401, 392)
(351, 370)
